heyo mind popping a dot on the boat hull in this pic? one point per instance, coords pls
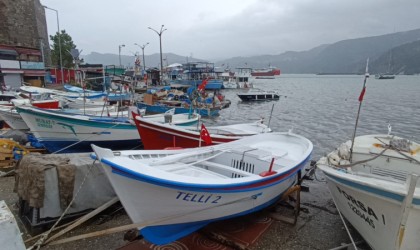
(57, 131)
(258, 97)
(160, 136)
(183, 210)
(374, 213)
(13, 119)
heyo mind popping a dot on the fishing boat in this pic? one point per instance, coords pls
(193, 74)
(73, 133)
(384, 76)
(373, 180)
(159, 136)
(159, 107)
(258, 95)
(378, 191)
(12, 118)
(266, 73)
(193, 187)
(67, 132)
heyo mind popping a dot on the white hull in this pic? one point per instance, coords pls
(13, 119)
(189, 188)
(373, 195)
(74, 133)
(175, 207)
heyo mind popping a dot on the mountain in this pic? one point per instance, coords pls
(343, 57)
(347, 56)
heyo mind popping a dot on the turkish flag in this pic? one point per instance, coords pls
(362, 94)
(204, 135)
(202, 86)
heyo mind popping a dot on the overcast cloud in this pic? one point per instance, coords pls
(220, 29)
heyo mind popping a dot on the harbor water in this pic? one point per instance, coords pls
(323, 108)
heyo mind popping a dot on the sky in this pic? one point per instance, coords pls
(222, 29)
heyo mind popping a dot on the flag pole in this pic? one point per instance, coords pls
(362, 94)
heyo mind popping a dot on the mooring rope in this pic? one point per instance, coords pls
(344, 222)
(93, 135)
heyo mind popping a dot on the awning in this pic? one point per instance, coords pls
(8, 52)
(34, 73)
(28, 51)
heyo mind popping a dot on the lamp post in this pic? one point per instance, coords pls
(160, 42)
(119, 52)
(59, 42)
(142, 49)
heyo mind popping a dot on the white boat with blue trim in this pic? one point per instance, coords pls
(72, 132)
(377, 189)
(172, 193)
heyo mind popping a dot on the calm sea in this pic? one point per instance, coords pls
(324, 108)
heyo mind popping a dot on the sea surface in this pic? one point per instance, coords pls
(324, 108)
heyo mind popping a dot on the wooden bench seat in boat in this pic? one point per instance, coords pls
(189, 170)
(230, 169)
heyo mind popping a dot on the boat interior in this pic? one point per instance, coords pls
(240, 162)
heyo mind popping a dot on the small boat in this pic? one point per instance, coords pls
(385, 76)
(378, 192)
(73, 133)
(193, 187)
(258, 95)
(373, 180)
(68, 132)
(190, 137)
(12, 118)
(193, 74)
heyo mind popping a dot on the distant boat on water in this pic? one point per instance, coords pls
(388, 74)
(267, 73)
(384, 76)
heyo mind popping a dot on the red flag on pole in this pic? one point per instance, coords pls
(202, 86)
(204, 135)
(362, 94)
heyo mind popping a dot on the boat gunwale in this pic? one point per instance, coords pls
(252, 185)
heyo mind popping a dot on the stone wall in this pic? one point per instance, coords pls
(22, 23)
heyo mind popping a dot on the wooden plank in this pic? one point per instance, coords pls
(10, 154)
(6, 150)
(84, 218)
(7, 163)
(100, 233)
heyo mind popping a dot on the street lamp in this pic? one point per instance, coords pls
(160, 42)
(142, 49)
(119, 52)
(59, 42)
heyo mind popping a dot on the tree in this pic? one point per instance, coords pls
(66, 45)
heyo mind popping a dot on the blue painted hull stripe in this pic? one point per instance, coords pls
(156, 234)
(94, 124)
(373, 190)
(221, 188)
